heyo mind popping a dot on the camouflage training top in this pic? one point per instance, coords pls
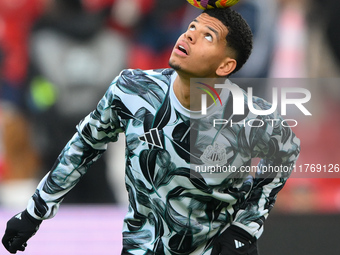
(184, 176)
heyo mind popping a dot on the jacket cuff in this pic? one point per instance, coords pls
(243, 233)
(31, 218)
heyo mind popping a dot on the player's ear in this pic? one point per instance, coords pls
(227, 66)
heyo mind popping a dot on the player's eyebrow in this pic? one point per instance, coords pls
(210, 28)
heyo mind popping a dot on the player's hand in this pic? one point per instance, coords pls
(235, 241)
(19, 229)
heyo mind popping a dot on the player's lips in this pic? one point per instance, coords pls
(182, 48)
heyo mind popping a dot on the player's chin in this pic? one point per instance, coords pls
(174, 65)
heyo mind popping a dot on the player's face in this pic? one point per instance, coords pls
(202, 49)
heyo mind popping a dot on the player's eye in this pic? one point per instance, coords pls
(208, 37)
(192, 27)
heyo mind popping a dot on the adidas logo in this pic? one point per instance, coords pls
(18, 216)
(152, 137)
(238, 244)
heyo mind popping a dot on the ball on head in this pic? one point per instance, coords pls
(209, 4)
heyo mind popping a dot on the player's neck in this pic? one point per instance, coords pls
(189, 97)
(186, 96)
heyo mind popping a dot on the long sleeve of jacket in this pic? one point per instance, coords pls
(89, 142)
(278, 148)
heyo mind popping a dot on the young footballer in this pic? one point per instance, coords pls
(174, 208)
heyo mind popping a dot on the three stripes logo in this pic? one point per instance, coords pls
(152, 137)
(207, 88)
(18, 216)
(238, 244)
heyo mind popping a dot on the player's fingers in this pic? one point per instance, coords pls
(18, 243)
(23, 247)
(6, 239)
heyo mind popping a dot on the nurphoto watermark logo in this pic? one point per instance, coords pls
(232, 120)
(227, 115)
(243, 102)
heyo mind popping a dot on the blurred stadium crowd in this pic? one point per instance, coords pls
(57, 58)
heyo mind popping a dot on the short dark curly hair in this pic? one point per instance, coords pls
(239, 38)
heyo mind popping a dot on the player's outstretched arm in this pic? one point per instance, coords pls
(20, 228)
(85, 147)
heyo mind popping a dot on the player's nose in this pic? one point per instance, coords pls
(190, 36)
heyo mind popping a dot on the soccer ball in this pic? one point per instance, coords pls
(210, 4)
